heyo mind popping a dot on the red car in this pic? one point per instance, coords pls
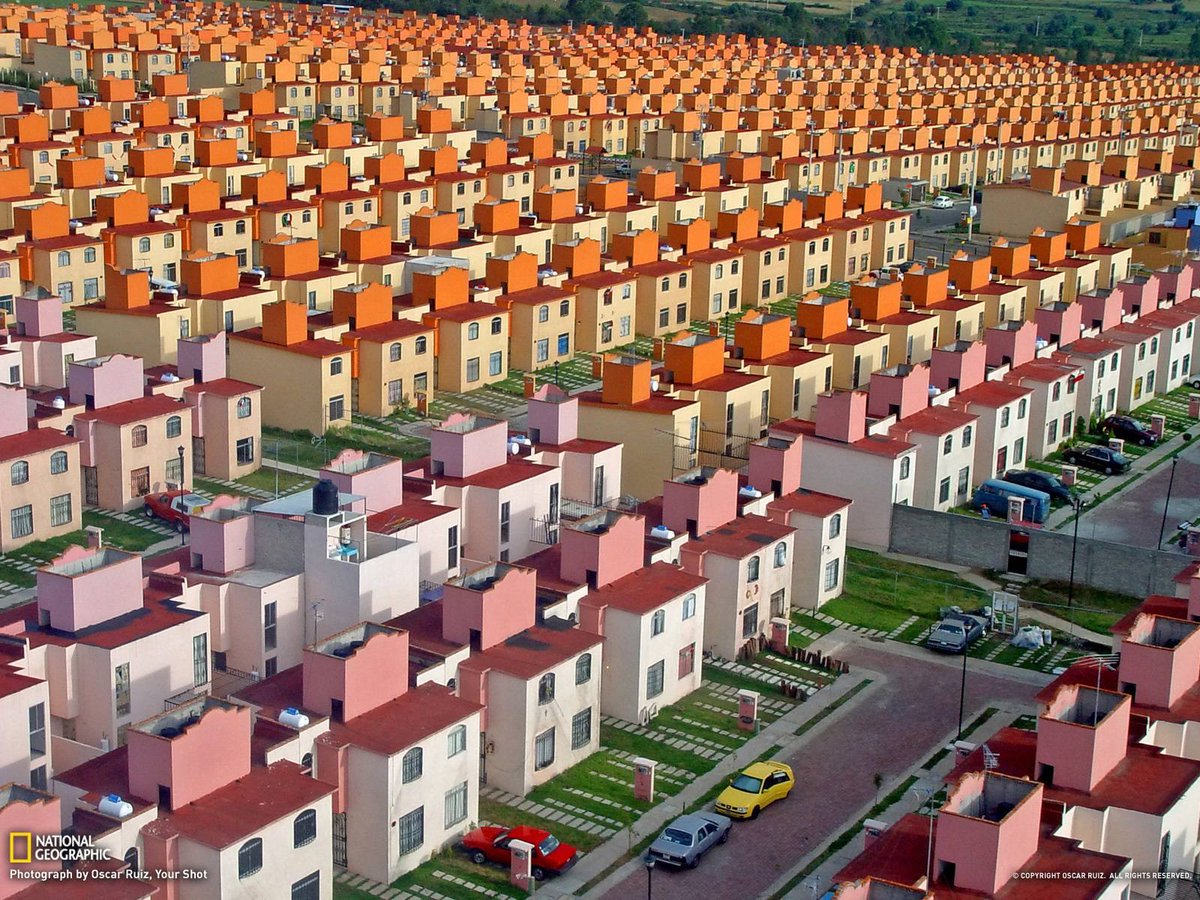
(490, 844)
(174, 507)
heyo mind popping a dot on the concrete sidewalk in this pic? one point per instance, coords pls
(780, 732)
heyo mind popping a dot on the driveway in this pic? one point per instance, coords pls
(1134, 516)
(890, 727)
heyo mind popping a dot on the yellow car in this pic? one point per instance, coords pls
(759, 785)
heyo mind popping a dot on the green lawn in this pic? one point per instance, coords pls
(268, 478)
(298, 447)
(117, 534)
(1092, 608)
(491, 811)
(345, 892)
(453, 862)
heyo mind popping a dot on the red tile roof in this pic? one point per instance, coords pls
(645, 590)
(533, 651)
(139, 410)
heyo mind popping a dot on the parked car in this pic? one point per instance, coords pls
(174, 507)
(1040, 481)
(977, 626)
(942, 202)
(1129, 429)
(1100, 459)
(688, 838)
(948, 636)
(759, 785)
(491, 844)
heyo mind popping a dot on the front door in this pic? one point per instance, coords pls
(198, 456)
(339, 839)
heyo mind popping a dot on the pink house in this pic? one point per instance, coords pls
(25, 809)
(1082, 733)
(1140, 294)
(1159, 659)
(1175, 283)
(227, 413)
(899, 391)
(1103, 308)
(46, 349)
(1011, 343)
(591, 469)
(1059, 323)
(378, 478)
(958, 366)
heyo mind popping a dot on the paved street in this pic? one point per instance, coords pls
(1134, 516)
(907, 712)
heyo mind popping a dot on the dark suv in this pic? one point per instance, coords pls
(1040, 481)
(1100, 459)
(1129, 429)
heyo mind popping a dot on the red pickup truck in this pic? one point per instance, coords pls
(174, 507)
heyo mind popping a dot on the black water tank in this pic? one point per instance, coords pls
(325, 498)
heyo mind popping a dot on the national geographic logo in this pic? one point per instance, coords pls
(25, 848)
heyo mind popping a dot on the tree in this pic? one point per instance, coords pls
(632, 15)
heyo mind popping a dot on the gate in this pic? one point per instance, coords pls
(339, 839)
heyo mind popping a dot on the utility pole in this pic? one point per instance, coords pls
(971, 197)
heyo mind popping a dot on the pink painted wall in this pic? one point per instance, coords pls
(1193, 266)
(204, 757)
(591, 616)
(76, 599)
(378, 478)
(553, 415)
(205, 354)
(14, 411)
(372, 675)
(776, 460)
(1102, 312)
(117, 379)
(473, 685)
(465, 453)
(333, 767)
(1142, 297)
(39, 815)
(160, 852)
(842, 416)
(1082, 754)
(1161, 674)
(1013, 346)
(961, 366)
(503, 608)
(1179, 284)
(220, 544)
(1059, 326)
(709, 503)
(986, 853)
(1194, 598)
(39, 317)
(612, 553)
(905, 387)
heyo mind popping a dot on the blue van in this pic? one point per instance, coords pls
(993, 496)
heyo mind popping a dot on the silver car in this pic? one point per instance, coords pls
(689, 837)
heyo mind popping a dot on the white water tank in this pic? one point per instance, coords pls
(293, 717)
(750, 492)
(113, 805)
(58, 403)
(662, 532)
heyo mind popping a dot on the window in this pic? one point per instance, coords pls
(394, 352)
(412, 765)
(750, 621)
(689, 606)
(335, 366)
(947, 444)
(244, 406)
(687, 660)
(270, 635)
(835, 525)
(245, 451)
(456, 741)
(752, 568)
(21, 521)
(174, 470)
(473, 331)
(583, 669)
(1022, 406)
(89, 255)
(168, 240)
(174, 426)
(199, 660)
(543, 749)
(944, 490)
(121, 689)
(452, 547)
(239, 227)
(654, 680)
(497, 325)
(831, 574)
(421, 345)
(304, 828)
(505, 520)
(60, 510)
(1018, 450)
(546, 689)
(966, 436)
(140, 435)
(250, 857)
(905, 467)
(64, 258)
(1004, 417)
(337, 408)
(658, 623)
(307, 888)
(20, 472)
(496, 362)
(472, 369)
(780, 555)
(58, 462)
(411, 828)
(456, 804)
(581, 729)
(37, 730)
(144, 245)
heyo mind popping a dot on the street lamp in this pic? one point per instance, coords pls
(1170, 486)
(649, 863)
(1078, 503)
(962, 692)
(925, 795)
(182, 487)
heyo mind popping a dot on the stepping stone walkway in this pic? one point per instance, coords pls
(688, 743)
(764, 674)
(565, 813)
(374, 887)
(903, 626)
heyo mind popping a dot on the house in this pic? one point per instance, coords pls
(39, 477)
